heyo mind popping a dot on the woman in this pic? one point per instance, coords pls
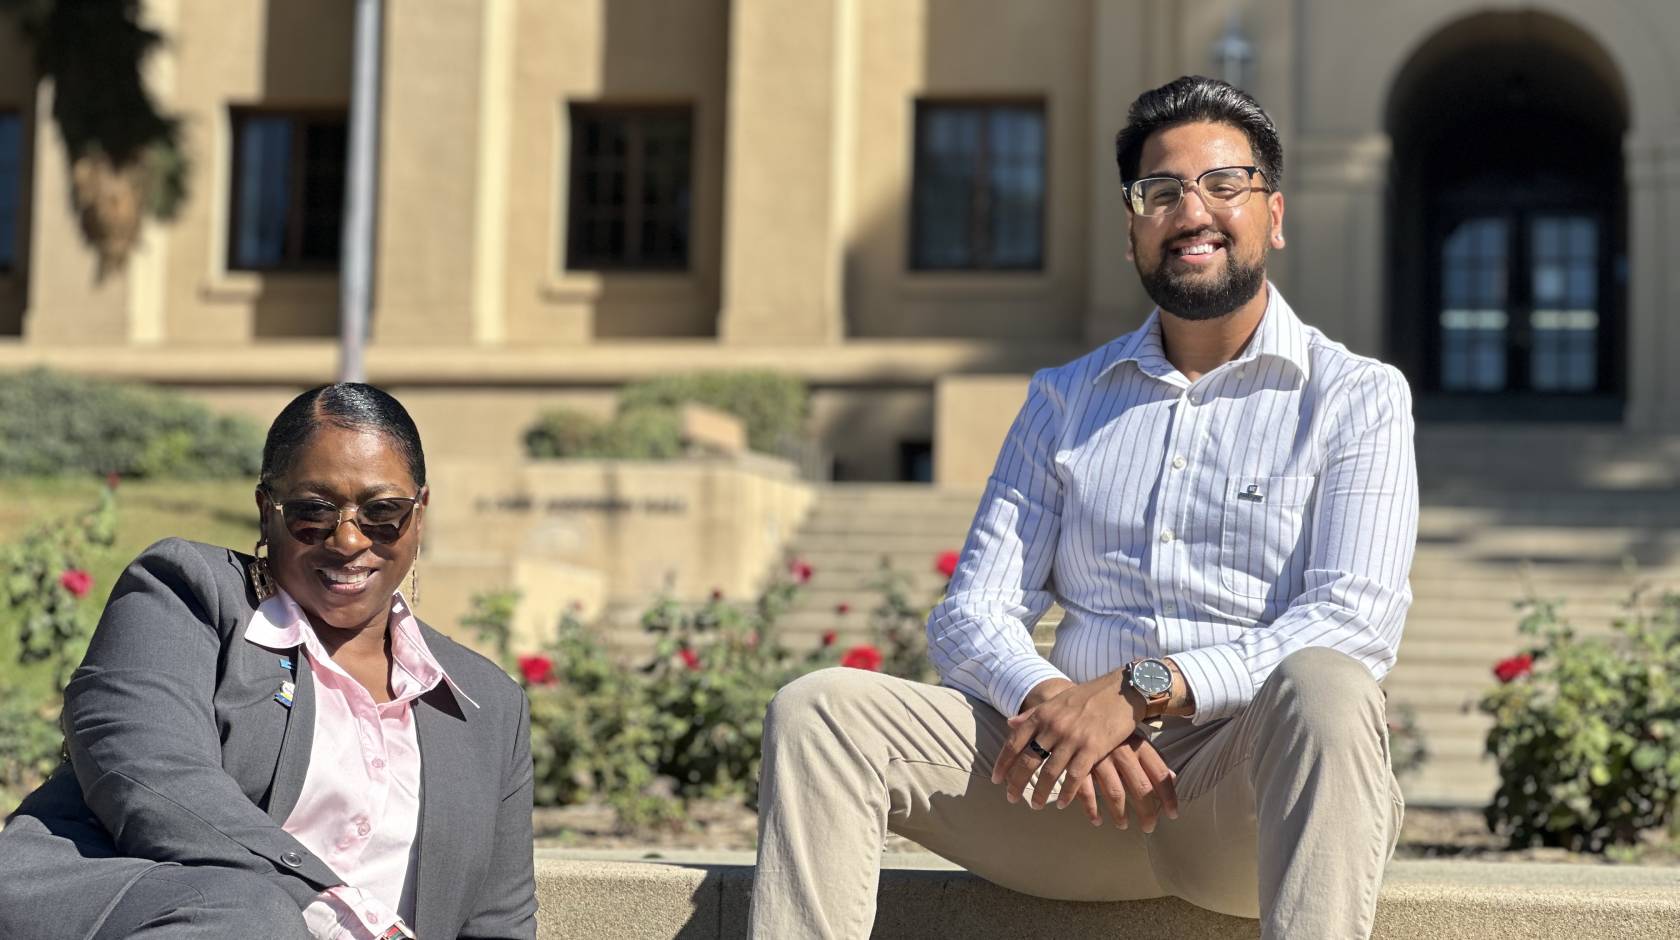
(273, 746)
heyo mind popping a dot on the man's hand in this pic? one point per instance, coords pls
(1080, 726)
(1134, 774)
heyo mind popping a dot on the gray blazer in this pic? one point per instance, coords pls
(180, 753)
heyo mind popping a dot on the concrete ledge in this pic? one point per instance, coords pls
(698, 896)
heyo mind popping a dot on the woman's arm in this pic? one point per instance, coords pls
(507, 902)
(140, 727)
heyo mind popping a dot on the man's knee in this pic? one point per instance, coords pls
(1326, 691)
(816, 698)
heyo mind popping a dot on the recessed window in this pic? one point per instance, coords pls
(632, 188)
(978, 200)
(288, 189)
(11, 185)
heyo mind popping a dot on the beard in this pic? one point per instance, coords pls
(1190, 300)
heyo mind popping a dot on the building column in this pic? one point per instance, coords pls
(1653, 344)
(1334, 221)
(70, 304)
(1121, 63)
(788, 152)
(425, 273)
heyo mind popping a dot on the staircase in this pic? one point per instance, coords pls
(1576, 517)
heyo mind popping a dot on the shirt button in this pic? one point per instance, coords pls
(1242, 373)
(362, 829)
(291, 859)
(1179, 462)
(372, 918)
(1170, 607)
(1166, 535)
(378, 764)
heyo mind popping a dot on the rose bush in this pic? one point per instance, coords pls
(1587, 730)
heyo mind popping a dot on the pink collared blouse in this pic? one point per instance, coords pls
(360, 806)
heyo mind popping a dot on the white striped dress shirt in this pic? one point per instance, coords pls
(1268, 506)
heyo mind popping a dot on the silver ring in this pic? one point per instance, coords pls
(1037, 748)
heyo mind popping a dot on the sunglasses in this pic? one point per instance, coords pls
(311, 520)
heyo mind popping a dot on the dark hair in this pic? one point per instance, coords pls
(1197, 98)
(347, 405)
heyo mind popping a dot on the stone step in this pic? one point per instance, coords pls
(706, 896)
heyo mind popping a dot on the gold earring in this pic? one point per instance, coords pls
(414, 585)
(262, 580)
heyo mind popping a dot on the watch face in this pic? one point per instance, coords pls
(1152, 677)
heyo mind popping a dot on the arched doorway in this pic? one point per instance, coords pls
(1508, 222)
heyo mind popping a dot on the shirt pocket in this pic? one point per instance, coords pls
(1260, 528)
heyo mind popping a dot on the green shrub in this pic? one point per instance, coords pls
(642, 434)
(53, 424)
(1587, 731)
(772, 406)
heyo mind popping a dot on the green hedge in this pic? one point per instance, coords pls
(53, 424)
(772, 407)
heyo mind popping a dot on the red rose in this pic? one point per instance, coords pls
(946, 564)
(537, 669)
(113, 480)
(800, 571)
(1508, 669)
(829, 636)
(842, 608)
(76, 581)
(862, 657)
(690, 658)
(717, 595)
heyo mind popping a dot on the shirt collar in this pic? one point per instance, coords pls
(279, 623)
(1281, 336)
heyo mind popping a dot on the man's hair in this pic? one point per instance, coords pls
(1197, 98)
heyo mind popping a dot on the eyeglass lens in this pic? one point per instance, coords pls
(311, 520)
(1221, 188)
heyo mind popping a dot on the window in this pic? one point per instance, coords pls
(978, 199)
(11, 185)
(288, 189)
(631, 188)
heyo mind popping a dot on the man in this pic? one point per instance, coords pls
(1225, 504)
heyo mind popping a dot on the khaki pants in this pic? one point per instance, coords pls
(1287, 812)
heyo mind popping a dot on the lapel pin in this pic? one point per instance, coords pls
(1252, 494)
(286, 663)
(284, 696)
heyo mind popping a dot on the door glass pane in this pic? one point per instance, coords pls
(1564, 355)
(1016, 146)
(11, 185)
(1473, 314)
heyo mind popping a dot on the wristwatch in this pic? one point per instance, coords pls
(1153, 680)
(398, 930)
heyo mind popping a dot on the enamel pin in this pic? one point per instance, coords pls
(284, 696)
(1252, 494)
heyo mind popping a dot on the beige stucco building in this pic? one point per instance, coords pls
(879, 195)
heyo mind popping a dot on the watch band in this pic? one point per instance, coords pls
(398, 931)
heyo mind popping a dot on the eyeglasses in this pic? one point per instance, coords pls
(1221, 188)
(311, 520)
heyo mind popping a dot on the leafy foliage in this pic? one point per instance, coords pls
(124, 153)
(772, 408)
(1587, 730)
(45, 593)
(53, 424)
